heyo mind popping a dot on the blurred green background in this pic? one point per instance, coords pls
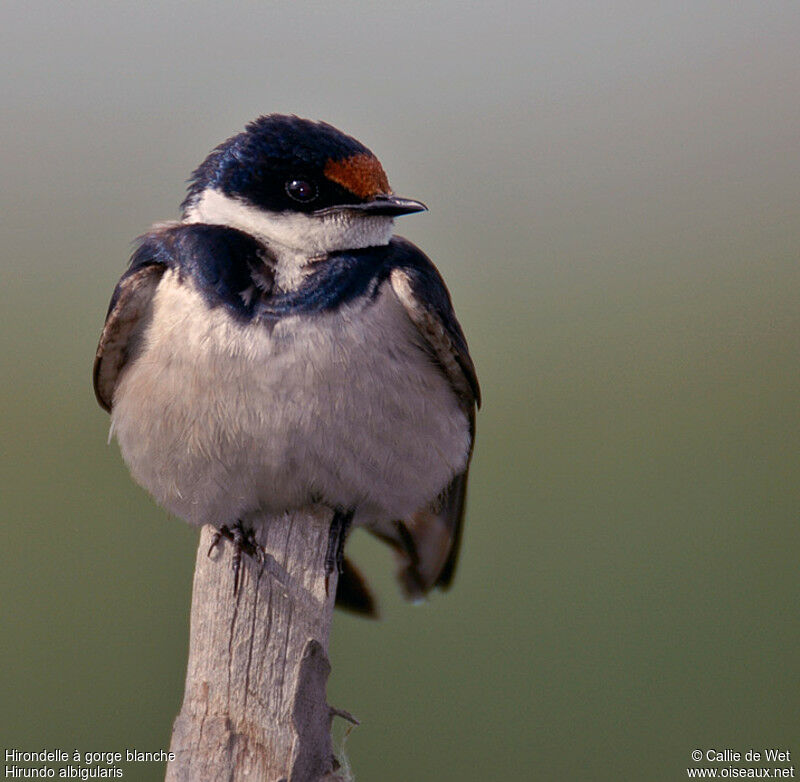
(614, 192)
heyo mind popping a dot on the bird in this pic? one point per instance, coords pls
(278, 346)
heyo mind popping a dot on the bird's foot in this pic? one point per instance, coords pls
(244, 542)
(337, 536)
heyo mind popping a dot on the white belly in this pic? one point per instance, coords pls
(218, 419)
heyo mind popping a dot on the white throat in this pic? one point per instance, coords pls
(292, 237)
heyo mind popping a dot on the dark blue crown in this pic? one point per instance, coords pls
(270, 148)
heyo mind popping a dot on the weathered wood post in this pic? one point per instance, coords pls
(254, 706)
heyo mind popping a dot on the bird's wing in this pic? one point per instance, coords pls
(428, 543)
(127, 314)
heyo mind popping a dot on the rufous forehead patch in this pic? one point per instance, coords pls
(361, 174)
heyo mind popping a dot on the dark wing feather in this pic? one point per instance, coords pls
(127, 313)
(428, 546)
(423, 294)
(353, 592)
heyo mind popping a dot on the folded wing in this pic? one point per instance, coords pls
(427, 544)
(127, 315)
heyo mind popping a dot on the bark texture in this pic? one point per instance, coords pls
(254, 706)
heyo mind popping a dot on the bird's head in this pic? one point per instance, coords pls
(301, 185)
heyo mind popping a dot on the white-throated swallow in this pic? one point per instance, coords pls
(279, 347)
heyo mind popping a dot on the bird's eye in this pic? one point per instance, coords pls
(301, 190)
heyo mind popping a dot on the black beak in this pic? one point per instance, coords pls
(389, 205)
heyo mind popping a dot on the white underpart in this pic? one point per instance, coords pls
(293, 237)
(222, 420)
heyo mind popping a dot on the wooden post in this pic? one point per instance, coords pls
(254, 706)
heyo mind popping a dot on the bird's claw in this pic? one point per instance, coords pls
(337, 536)
(244, 541)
